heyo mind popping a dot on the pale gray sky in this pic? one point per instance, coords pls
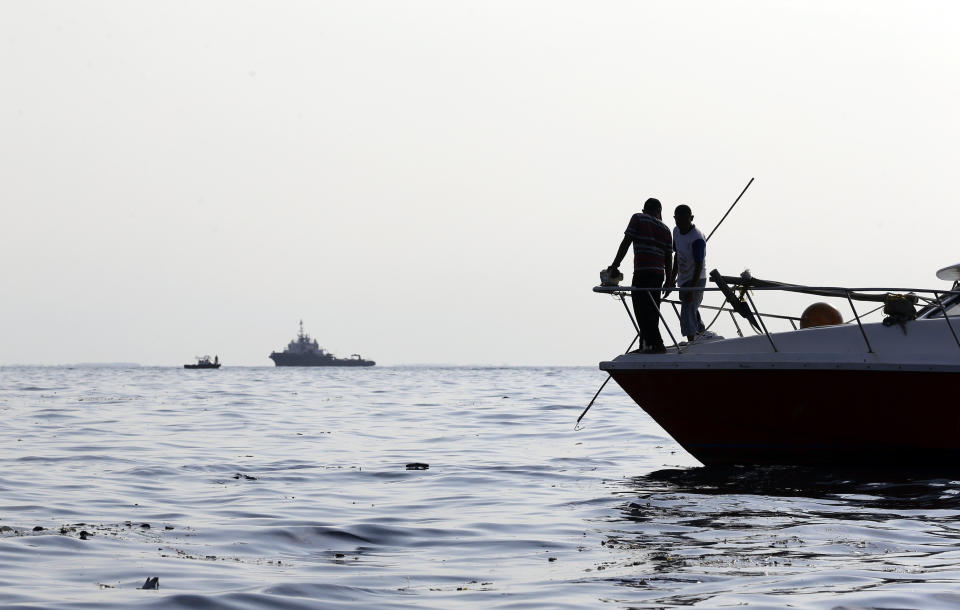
(442, 181)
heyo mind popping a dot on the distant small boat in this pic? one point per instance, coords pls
(204, 362)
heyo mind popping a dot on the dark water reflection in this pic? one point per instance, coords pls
(906, 488)
(772, 537)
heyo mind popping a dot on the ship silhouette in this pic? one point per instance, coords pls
(304, 351)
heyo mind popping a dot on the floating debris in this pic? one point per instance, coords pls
(417, 466)
(152, 582)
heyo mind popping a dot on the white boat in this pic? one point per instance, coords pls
(849, 394)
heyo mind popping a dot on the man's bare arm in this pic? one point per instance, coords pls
(621, 252)
(672, 271)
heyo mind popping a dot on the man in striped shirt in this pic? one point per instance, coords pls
(652, 256)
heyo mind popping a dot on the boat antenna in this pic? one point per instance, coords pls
(604, 384)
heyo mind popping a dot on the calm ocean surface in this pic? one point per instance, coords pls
(257, 488)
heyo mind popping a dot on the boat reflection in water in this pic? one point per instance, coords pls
(782, 536)
(304, 351)
(845, 394)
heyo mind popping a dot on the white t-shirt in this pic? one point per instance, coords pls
(684, 246)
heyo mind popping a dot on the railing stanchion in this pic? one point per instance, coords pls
(860, 324)
(676, 311)
(662, 319)
(760, 320)
(946, 317)
(636, 326)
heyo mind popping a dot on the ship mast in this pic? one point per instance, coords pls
(300, 336)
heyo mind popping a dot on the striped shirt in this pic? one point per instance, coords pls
(652, 243)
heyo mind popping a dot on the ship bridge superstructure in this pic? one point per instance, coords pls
(303, 344)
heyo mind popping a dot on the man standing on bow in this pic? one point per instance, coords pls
(652, 250)
(689, 270)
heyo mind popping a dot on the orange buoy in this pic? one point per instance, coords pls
(820, 314)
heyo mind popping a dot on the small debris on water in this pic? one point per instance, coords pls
(551, 558)
(37, 528)
(152, 582)
(84, 534)
(417, 466)
(240, 475)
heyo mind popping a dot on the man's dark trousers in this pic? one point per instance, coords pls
(648, 316)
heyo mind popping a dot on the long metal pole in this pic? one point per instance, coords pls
(730, 209)
(609, 376)
(603, 385)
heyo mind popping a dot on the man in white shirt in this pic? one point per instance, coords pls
(689, 270)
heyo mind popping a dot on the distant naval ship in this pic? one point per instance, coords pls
(304, 351)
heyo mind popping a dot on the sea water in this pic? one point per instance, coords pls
(248, 488)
